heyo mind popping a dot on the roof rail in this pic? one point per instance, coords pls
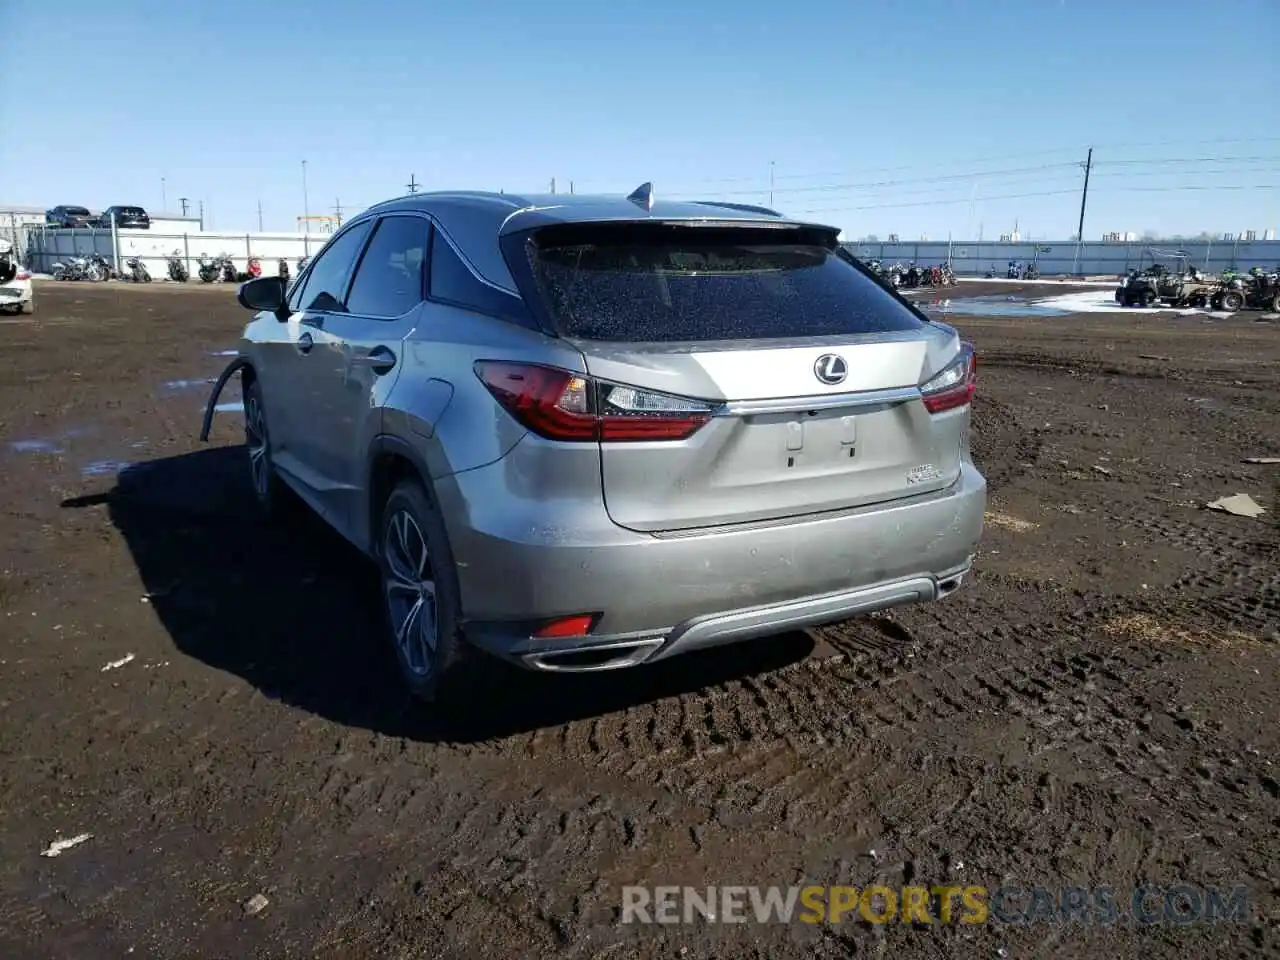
(744, 207)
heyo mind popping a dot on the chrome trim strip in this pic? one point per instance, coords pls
(863, 398)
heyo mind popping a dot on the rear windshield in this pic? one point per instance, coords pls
(75, 211)
(672, 283)
(131, 211)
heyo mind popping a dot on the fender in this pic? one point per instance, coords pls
(236, 365)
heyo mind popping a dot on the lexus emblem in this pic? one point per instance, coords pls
(830, 368)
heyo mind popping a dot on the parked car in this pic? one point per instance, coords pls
(16, 295)
(127, 218)
(583, 433)
(65, 215)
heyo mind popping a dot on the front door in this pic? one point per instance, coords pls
(357, 359)
(296, 400)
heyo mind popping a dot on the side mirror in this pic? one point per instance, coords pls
(263, 293)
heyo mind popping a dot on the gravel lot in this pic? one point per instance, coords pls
(1097, 706)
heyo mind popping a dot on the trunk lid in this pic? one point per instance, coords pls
(781, 443)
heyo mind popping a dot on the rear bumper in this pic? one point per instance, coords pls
(659, 596)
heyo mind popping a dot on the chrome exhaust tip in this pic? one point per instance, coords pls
(607, 656)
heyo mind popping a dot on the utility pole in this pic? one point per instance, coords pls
(1084, 198)
(164, 199)
(185, 204)
(771, 183)
(337, 210)
(306, 212)
(412, 184)
(553, 185)
(570, 187)
(259, 216)
(201, 214)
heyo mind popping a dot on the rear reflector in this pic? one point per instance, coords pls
(561, 405)
(576, 626)
(955, 385)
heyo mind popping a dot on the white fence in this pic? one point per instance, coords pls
(1067, 257)
(45, 247)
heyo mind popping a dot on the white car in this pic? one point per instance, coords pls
(15, 283)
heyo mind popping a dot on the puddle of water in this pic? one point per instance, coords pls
(188, 384)
(34, 446)
(104, 468)
(232, 407)
(993, 306)
(225, 353)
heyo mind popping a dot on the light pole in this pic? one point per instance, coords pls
(164, 199)
(771, 183)
(306, 212)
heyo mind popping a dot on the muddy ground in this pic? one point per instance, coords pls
(1097, 706)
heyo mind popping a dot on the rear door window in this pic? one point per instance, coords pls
(389, 281)
(647, 283)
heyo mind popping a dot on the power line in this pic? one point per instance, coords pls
(1021, 196)
(1003, 158)
(932, 203)
(1006, 173)
(1164, 160)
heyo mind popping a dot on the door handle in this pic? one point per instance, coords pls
(380, 360)
(304, 344)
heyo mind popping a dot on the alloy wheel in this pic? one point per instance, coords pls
(255, 435)
(410, 589)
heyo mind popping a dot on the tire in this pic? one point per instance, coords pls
(1275, 303)
(1232, 301)
(418, 574)
(1148, 298)
(269, 491)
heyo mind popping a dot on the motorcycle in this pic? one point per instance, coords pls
(302, 264)
(228, 266)
(97, 268)
(209, 269)
(282, 269)
(255, 268)
(1032, 272)
(73, 268)
(137, 271)
(178, 272)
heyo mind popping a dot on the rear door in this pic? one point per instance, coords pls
(812, 371)
(361, 356)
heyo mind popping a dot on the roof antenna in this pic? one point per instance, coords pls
(642, 196)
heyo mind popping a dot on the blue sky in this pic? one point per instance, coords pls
(930, 117)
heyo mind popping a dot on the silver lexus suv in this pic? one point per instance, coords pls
(582, 432)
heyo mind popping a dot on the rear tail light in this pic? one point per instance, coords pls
(955, 385)
(23, 274)
(561, 405)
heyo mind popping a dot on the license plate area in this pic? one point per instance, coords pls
(817, 441)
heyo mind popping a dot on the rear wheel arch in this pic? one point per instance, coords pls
(391, 460)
